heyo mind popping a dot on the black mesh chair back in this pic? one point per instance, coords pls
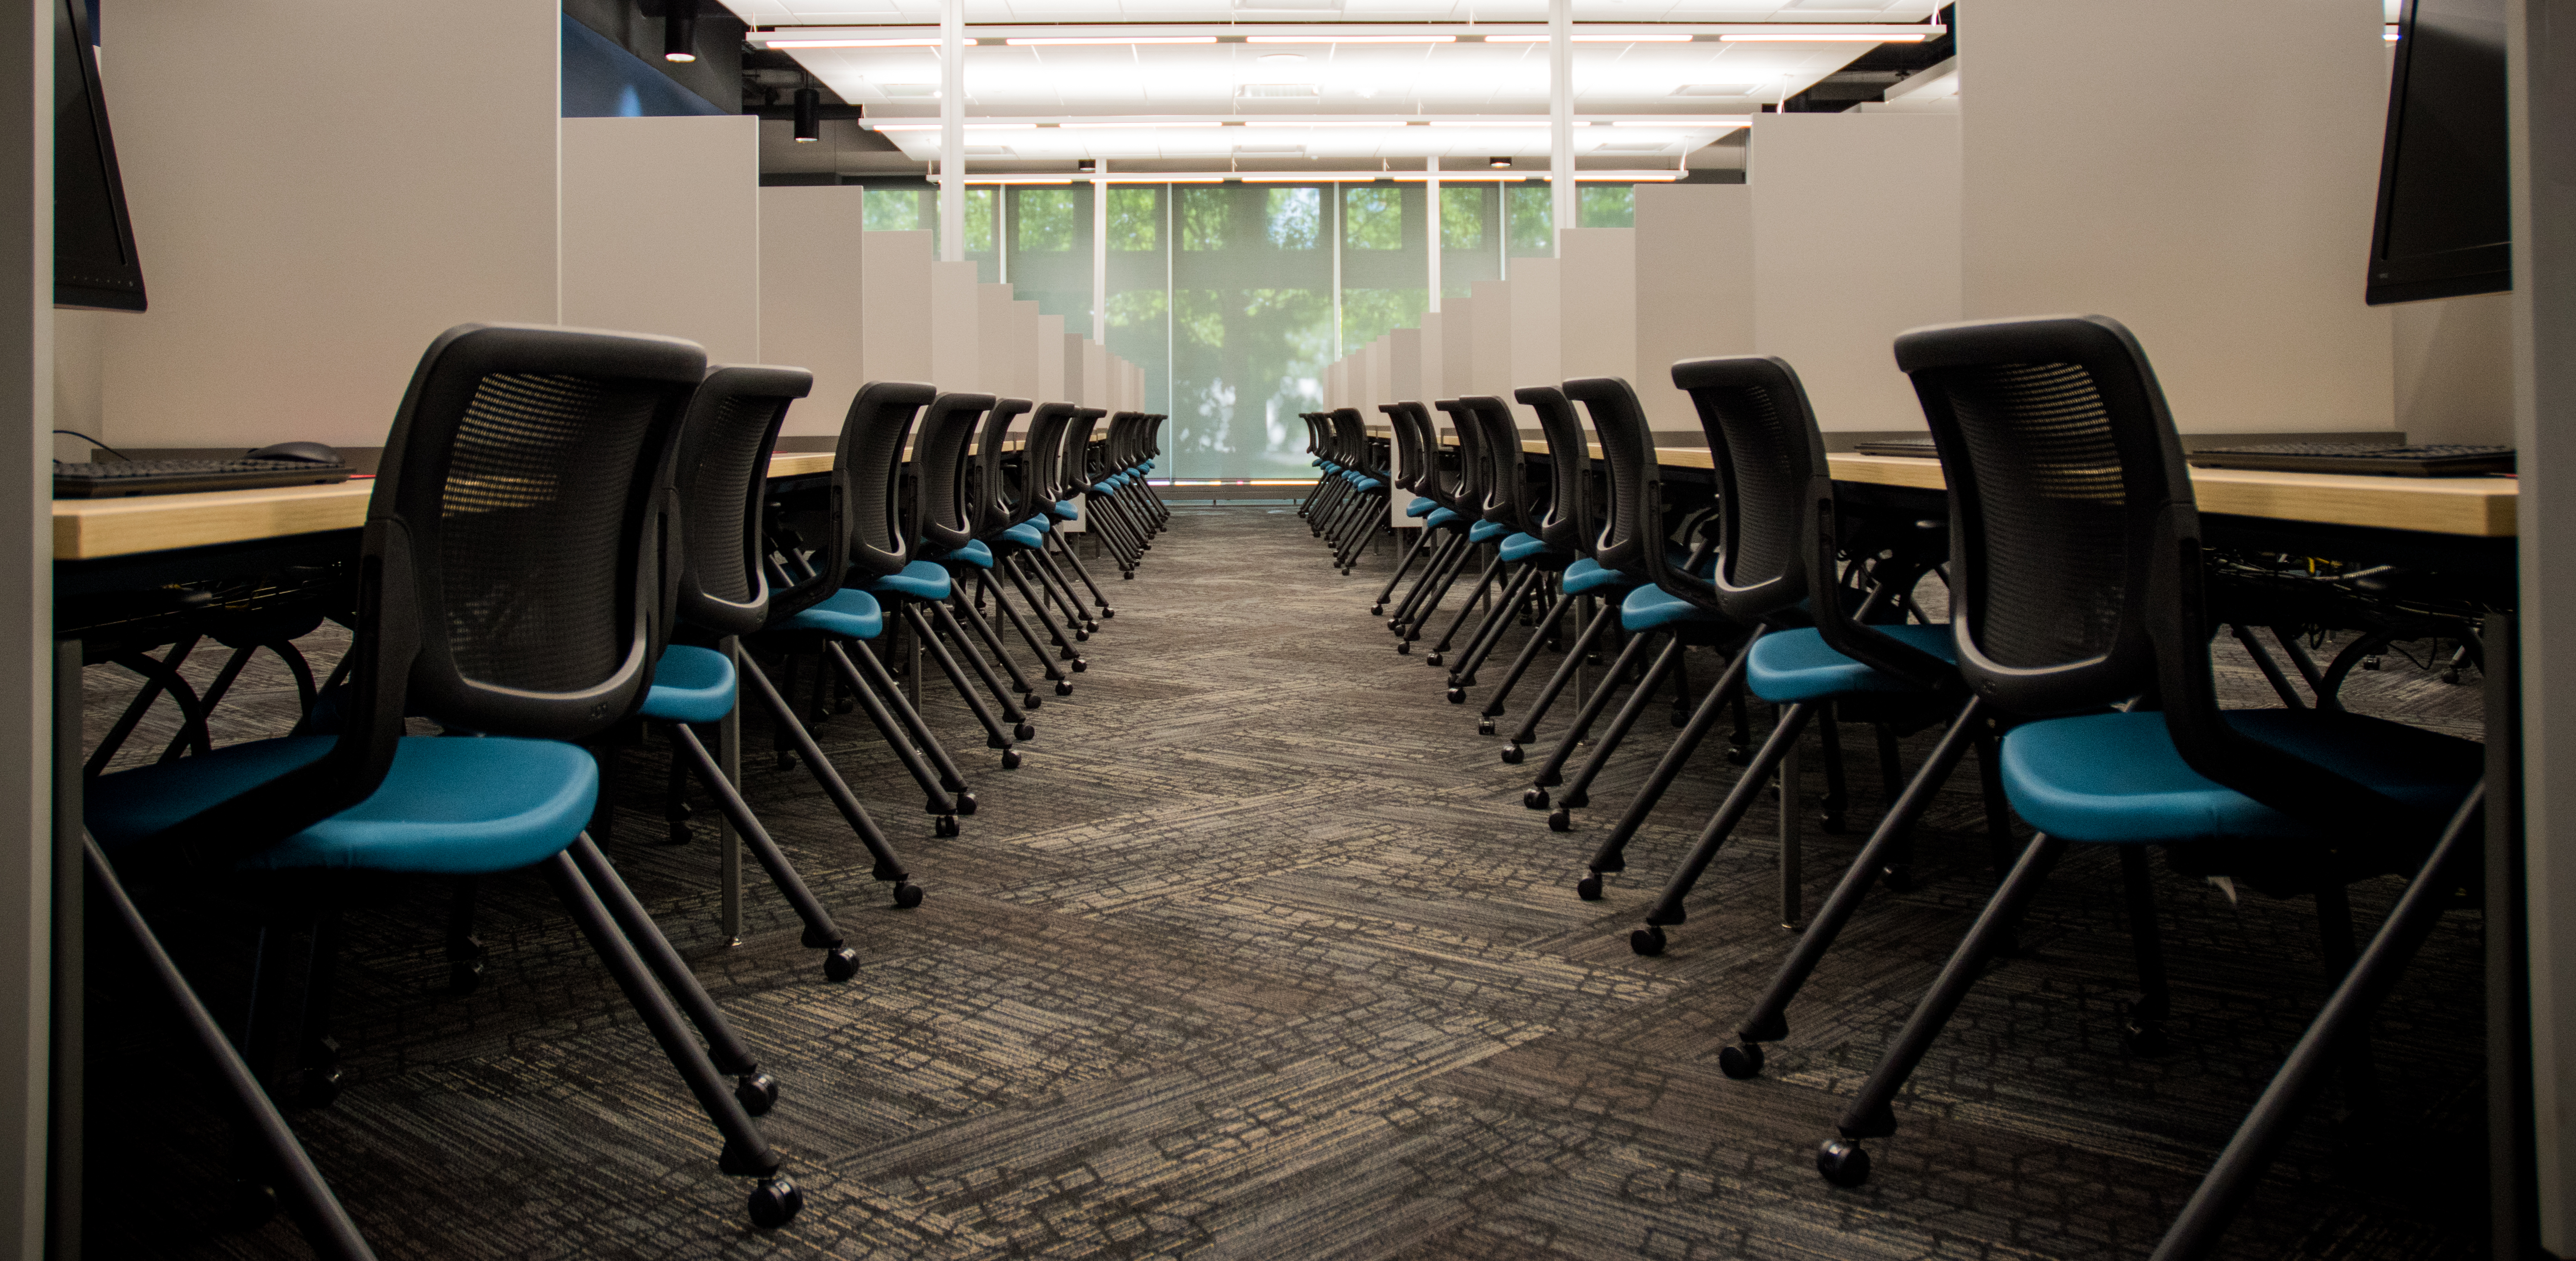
(722, 479)
(1074, 464)
(1498, 443)
(987, 484)
(1571, 523)
(1314, 434)
(1468, 490)
(867, 474)
(1115, 452)
(1042, 457)
(1632, 532)
(1154, 434)
(941, 501)
(1350, 437)
(1412, 455)
(1779, 535)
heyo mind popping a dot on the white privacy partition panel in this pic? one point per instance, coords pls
(626, 181)
(894, 270)
(1694, 287)
(812, 315)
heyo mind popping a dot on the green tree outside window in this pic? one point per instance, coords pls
(1531, 210)
(979, 220)
(1462, 218)
(1296, 218)
(1372, 217)
(1369, 314)
(1134, 216)
(1607, 206)
(893, 210)
(1203, 213)
(1046, 220)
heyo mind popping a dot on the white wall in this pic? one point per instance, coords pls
(317, 192)
(2212, 189)
(1007, 368)
(1097, 389)
(956, 328)
(1694, 287)
(811, 315)
(626, 183)
(1855, 239)
(1489, 344)
(1050, 352)
(1597, 306)
(1403, 368)
(1536, 336)
(2454, 368)
(1458, 345)
(894, 269)
(1432, 347)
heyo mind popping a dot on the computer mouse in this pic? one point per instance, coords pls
(308, 452)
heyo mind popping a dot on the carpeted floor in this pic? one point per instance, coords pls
(1260, 956)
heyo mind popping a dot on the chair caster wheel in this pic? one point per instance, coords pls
(1377, 610)
(840, 963)
(775, 1202)
(1534, 799)
(1560, 820)
(1511, 755)
(1484, 726)
(1107, 612)
(944, 826)
(250, 1205)
(1738, 755)
(1432, 660)
(465, 976)
(996, 742)
(1588, 888)
(786, 760)
(1457, 696)
(1128, 575)
(1030, 700)
(1063, 688)
(1395, 625)
(1010, 759)
(965, 803)
(319, 1086)
(1576, 800)
(1025, 731)
(1842, 1163)
(756, 1091)
(1081, 636)
(907, 896)
(846, 705)
(1831, 821)
(1647, 941)
(2144, 1039)
(1081, 664)
(679, 834)
(1743, 1062)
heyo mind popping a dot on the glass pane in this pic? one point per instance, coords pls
(1203, 216)
(1527, 219)
(1296, 218)
(1372, 217)
(1369, 314)
(1135, 218)
(1045, 219)
(1607, 205)
(980, 236)
(895, 210)
(1462, 217)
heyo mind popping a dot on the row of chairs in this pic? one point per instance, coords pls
(2075, 660)
(573, 538)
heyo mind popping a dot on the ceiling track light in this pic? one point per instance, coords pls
(680, 30)
(1499, 164)
(809, 115)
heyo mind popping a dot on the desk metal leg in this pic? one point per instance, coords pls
(729, 757)
(63, 1155)
(2511, 1181)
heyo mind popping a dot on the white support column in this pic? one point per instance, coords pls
(1431, 230)
(1100, 254)
(952, 131)
(1560, 118)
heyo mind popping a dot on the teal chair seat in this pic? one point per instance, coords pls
(1442, 517)
(921, 579)
(1521, 547)
(1651, 607)
(690, 684)
(2118, 777)
(1064, 511)
(848, 612)
(1367, 483)
(1487, 531)
(1796, 665)
(1028, 534)
(461, 805)
(1420, 507)
(1587, 575)
(974, 553)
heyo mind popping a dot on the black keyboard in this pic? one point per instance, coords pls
(1920, 448)
(2375, 459)
(178, 477)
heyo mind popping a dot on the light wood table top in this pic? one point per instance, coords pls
(2479, 507)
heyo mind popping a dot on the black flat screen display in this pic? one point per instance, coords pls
(94, 259)
(2445, 227)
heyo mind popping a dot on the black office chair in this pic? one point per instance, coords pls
(1519, 505)
(1025, 521)
(509, 587)
(944, 504)
(2077, 585)
(1462, 496)
(1415, 460)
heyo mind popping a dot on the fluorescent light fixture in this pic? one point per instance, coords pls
(1702, 122)
(2388, 33)
(1337, 122)
(1499, 164)
(1294, 177)
(1017, 179)
(1162, 179)
(1056, 40)
(1499, 122)
(1350, 39)
(969, 126)
(1910, 38)
(1134, 125)
(858, 43)
(1592, 39)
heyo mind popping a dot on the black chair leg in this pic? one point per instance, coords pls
(464, 949)
(879, 685)
(995, 735)
(1561, 678)
(725, 1048)
(1038, 609)
(1541, 636)
(1498, 622)
(992, 643)
(1421, 616)
(1553, 772)
(675, 801)
(1578, 791)
(840, 963)
(1036, 649)
(1052, 580)
(945, 619)
(1669, 909)
(1842, 1161)
(2334, 932)
(1610, 856)
(326, 1225)
(1484, 584)
(1768, 1021)
(1403, 564)
(2142, 1027)
(888, 868)
(1835, 810)
(1443, 554)
(317, 1053)
(1074, 559)
(746, 1153)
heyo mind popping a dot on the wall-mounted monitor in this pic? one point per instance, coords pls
(2444, 227)
(94, 260)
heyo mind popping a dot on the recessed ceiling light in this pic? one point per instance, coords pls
(1822, 39)
(858, 43)
(1049, 40)
(1499, 164)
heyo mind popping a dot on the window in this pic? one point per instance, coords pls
(1203, 217)
(1607, 205)
(1462, 218)
(893, 210)
(979, 220)
(1046, 220)
(1527, 219)
(1134, 216)
(1296, 218)
(1372, 217)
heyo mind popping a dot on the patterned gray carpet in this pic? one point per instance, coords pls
(1260, 956)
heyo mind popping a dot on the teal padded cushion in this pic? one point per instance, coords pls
(1025, 535)
(1588, 575)
(1650, 607)
(849, 613)
(452, 805)
(690, 684)
(1442, 517)
(974, 553)
(1420, 507)
(1064, 511)
(1521, 547)
(1796, 665)
(1367, 484)
(921, 579)
(1487, 531)
(2118, 777)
